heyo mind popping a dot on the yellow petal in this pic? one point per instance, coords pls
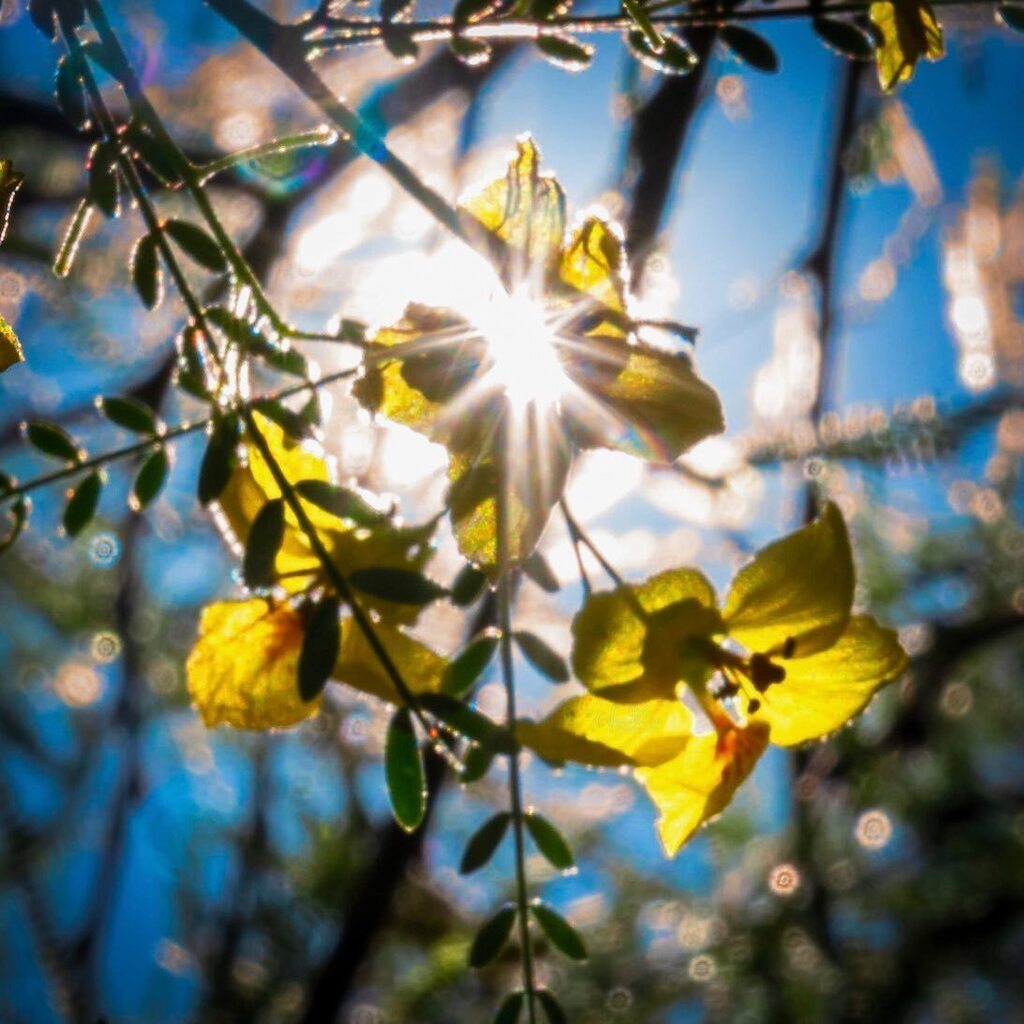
(525, 210)
(10, 347)
(441, 354)
(701, 781)
(799, 589)
(606, 734)
(593, 277)
(649, 401)
(422, 669)
(243, 669)
(614, 656)
(910, 32)
(823, 692)
(539, 466)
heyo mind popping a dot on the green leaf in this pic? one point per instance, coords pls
(320, 645)
(129, 414)
(70, 91)
(403, 586)
(10, 181)
(103, 181)
(152, 476)
(491, 938)
(340, 502)
(552, 1007)
(155, 154)
(550, 841)
(483, 842)
(537, 568)
(546, 661)
(403, 766)
(511, 1008)
(562, 935)
(476, 764)
(43, 12)
(565, 52)
(474, 52)
(399, 43)
(263, 544)
(234, 327)
(844, 37)
(98, 53)
(466, 11)
(392, 10)
(219, 459)
(290, 422)
(53, 441)
(1012, 16)
(147, 275)
(751, 48)
(468, 585)
(636, 10)
(65, 258)
(467, 668)
(674, 58)
(81, 506)
(467, 722)
(197, 244)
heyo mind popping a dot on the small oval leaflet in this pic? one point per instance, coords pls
(70, 91)
(340, 502)
(562, 935)
(674, 57)
(65, 258)
(129, 413)
(153, 153)
(403, 768)
(565, 52)
(550, 842)
(483, 842)
(636, 10)
(219, 459)
(552, 1007)
(547, 662)
(403, 586)
(844, 37)
(511, 1008)
(320, 644)
(147, 274)
(467, 668)
(751, 48)
(53, 441)
(459, 718)
(199, 246)
(152, 476)
(103, 181)
(476, 764)
(491, 938)
(263, 544)
(81, 506)
(468, 585)
(1012, 16)
(538, 569)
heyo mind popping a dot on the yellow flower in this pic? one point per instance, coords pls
(243, 669)
(784, 660)
(545, 364)
(910, 31)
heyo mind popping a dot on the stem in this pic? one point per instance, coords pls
(580, 536)
(333, 574)
(191, 176)
(285, 144)
(514, 776)
(356, 33)
(171, 434)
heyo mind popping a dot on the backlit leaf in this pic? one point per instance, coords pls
(552, 1008)
(751, 48)
(65, 258)
(194, 241)
(103, 180)
(483, 842)
(491, 938)
(54, 441)
(403, 764)
(81, 506)
(10, 348)
(565, 52)
(1012, 16)
(10, 182)
(469, 584)
(150, 479)
(910, 32)
(129, 413)
(674, 57)
(844, 37)
(511, 1008)
(470, 664)
(339, 501)
(467, 722)
(546, 661)
(562, 935)
(321, 644)
(147, 274)
(261, 548)
(219, 459)
(549, 841)
(70, 91)
(403, 586)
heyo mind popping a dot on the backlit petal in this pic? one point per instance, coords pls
(243, 669)
(700, 782)
(799, 589)
(823, 692)
(910, 32)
